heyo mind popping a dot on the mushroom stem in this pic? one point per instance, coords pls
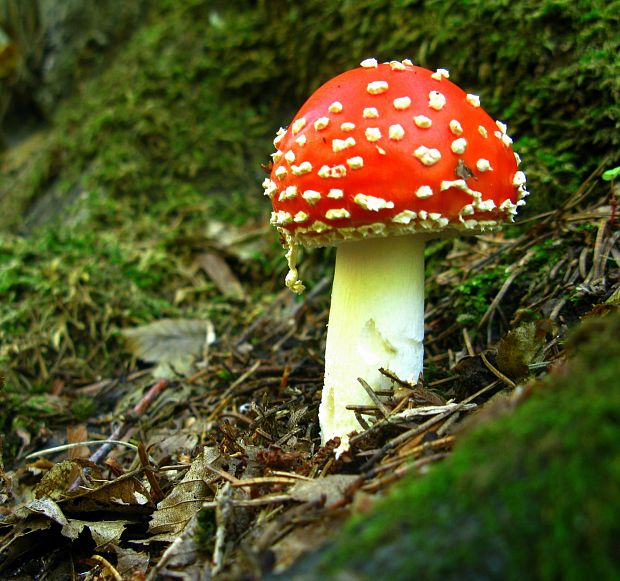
(376, 320)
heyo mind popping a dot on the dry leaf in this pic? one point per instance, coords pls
(174, 344)
(75, 434)
(220, 273)
(521, 347)
(59, 478)
(103, 533)
(24, 536)
(164, 444)
(305, 539)
(124, 495)
(44, 507)
(186, 498)
(130, 561)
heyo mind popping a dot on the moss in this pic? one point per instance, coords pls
(83, 408)
(534, 492)
(157, 124)
(475, 294)
(546, 253)
(64, 292)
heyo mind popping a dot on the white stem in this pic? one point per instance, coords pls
(376, 320)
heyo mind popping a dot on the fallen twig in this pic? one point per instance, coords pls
(422, 428)
(497, 372)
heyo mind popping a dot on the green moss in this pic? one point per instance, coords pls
(535, 492)
(158, 125)
(24, 412)
(83, 408)
(63, 293)
(547, 253)
(474, 296)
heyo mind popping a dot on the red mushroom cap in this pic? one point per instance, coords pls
(391, 149)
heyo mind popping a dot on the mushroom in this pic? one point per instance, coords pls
(377, 161)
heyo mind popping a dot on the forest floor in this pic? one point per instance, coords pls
(213, 466)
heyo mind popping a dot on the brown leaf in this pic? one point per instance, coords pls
(24, 536)
(186, 498)
(77, 434)
(104, 533)
(44, 507)
(165, 445)
(304, 539)
(521, 347)
(125, 494)
(220, 273)
(58, 479)
(129, 561)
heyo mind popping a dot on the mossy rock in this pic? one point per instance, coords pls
(534, 494)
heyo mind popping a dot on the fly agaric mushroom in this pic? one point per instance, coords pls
(378, 160)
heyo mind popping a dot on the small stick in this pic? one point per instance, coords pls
(363, 423)
(288, 436)
(497, 372)
(402, 471)
(94, 388)
(156, 492)
(327, 467)
(555, 313)
(263, 480)
(132, 417)
(123, 428)
(468, 344)
(443, 429)
(64, 447)
(385, 412)
(225, 397)
(367, 429)
(223, 474)
(422, 428)
(583, 263)
(223, 512)
(369, 410)
(439, 382)
(292, 475)
(597, 265)
(610, 246)
(261, 501)
(430, 410)
(498, 299)
(391, 375)
(441, 442)
(150, 396)
(108, 567)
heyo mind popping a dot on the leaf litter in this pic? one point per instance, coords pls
(225, 477)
